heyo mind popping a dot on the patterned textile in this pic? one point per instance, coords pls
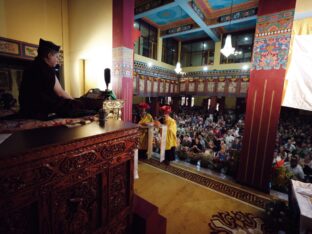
(9, 126)
(272, 37)
(236, 222)
(217, 185)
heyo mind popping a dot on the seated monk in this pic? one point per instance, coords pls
(41, 94)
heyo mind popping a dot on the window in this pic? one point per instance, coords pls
(146, 45)
(243, 43)
(170, 51)
(197, 53)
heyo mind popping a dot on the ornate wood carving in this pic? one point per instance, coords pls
(24, 220)
(83, 186)
(111, 150)
(118, 187)
(75, 208)
(84, 159)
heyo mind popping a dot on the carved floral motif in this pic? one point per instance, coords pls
(74, 209)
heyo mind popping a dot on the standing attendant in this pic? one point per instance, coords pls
(171, 138)
(146, 118)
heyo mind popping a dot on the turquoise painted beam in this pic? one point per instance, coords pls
(232, 22)
(186, 7)
(155, 10)
(182, 33)
(212, 26)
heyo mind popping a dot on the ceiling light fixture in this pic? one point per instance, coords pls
(178, 68)
(228, 49)
(245, 67)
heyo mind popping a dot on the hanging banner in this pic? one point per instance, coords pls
(298, 81)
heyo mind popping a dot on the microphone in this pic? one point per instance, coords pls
(107, 77)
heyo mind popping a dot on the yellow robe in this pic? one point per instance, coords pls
(143, 139)
(171, 139)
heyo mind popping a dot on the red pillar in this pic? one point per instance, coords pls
(270, 54)
(123, 19)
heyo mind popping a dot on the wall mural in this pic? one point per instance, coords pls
(157, 81)
(141, 85)
(155, 86)
(182, 87)
(172, 87)
(201, 86)
(167, 87)
(149, 85)
(210, 87)
(221, 87)
(244, 87)
(161, 90)
(232, 87)
(191, 87)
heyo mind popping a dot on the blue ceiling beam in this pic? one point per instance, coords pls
(189, 10)
(254, 17)
(155, 10)
(182, 33)
(211, 26)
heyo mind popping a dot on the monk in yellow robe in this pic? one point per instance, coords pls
(146, 118)
(171, 138)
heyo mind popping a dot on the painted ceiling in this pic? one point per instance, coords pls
(205, 17)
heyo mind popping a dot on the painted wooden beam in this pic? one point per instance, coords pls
(183, 33)
(232, 22)
(155, 10)
(189, 10)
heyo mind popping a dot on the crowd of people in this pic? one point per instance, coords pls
(215, 141)
(208, 140)
(293, 152)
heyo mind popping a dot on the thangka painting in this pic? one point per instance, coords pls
(141, 85)
(191, 87)
(9, 47)
(176, 87)
(167, 87)
(171, 87)
(243, 87)
(149, 86)
(210, 87)
(201, 87)
(134, 83)
(155, 86)
(161, 87)
(220, 87)
(232, 87)
(182, 87)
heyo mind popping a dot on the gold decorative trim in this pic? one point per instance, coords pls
(267, 135)
(252, 120)
(259, 130)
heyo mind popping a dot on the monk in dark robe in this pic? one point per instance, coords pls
(41, 94)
